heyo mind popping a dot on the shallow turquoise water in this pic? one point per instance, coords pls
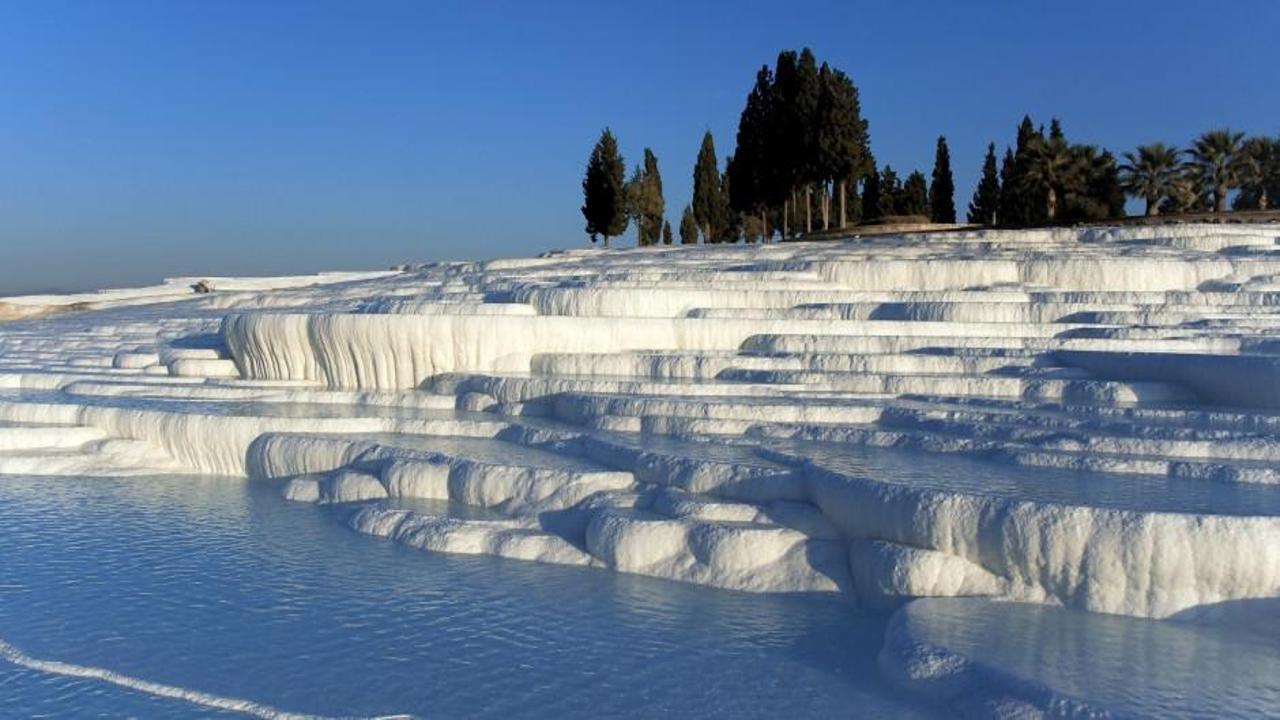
(220, 586)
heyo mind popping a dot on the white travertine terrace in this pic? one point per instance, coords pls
(1087, 418)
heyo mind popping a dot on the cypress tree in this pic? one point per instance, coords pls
(650, 207)
(666, 233)
(632, 191)
(706, 188)
(1055, 130)
(805, 145)
(914, 199)
(890, 192)
(688, 227)
(842, 139)
(985, 206)
(871, 195)
(727, 224)
(1021, 202)
(942, 191)
(603, 192)
(801, 136)
(1008, 193)
(1032, 198)
(783, 135)
(750, 172)
(1105, 187)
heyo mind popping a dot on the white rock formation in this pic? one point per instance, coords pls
(1087, 418)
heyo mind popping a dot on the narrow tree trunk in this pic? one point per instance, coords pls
(1153, 208)
(1262, 199)
(1051, 206)
(808, 209)
(764, 228)
(784, 219)
(606, 241)
(1219, 199)
(826, 208)
(795, 210)
(842, 209)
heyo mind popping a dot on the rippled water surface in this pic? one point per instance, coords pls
(219, 586)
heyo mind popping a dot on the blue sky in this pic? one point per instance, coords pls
(146, 139)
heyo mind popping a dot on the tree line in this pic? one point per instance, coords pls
(1044, 180)
(1199, 178)
(803, 162)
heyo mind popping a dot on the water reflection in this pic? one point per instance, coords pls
(1133, 666)
(221, 586)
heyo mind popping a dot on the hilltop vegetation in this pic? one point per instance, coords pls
(802, 162)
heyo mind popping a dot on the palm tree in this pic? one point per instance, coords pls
(1216, 155)
(1184, 192)
(1259, 168)
(1053, 166)
(1150, 174)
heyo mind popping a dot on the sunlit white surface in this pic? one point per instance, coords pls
(1075, 418)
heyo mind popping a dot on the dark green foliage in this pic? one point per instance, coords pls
(666, 233)
(871, 194)
(1103, 185)
(1151, 174)
(726, 226)
(1094, 193)
(800, 137)
(818, 204)
(914, 199)
(707, 186)
(1006, 177)
(688, 227)
(1053, 170)
(1185, 194)
(1022, 202)
(1260, 175)
(780, 157)
(890, 193)
(733, 199)
(853, 203)
(1046, 179)
(805, 107)
(752, 228)
(1055, 130)
(985, 206)
(646, 205)
(631, 191)
(1218, 161)
(604, 196)
(750, 171)
(942, 190)
(842, 153)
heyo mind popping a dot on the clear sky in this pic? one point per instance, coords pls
(147, 139)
